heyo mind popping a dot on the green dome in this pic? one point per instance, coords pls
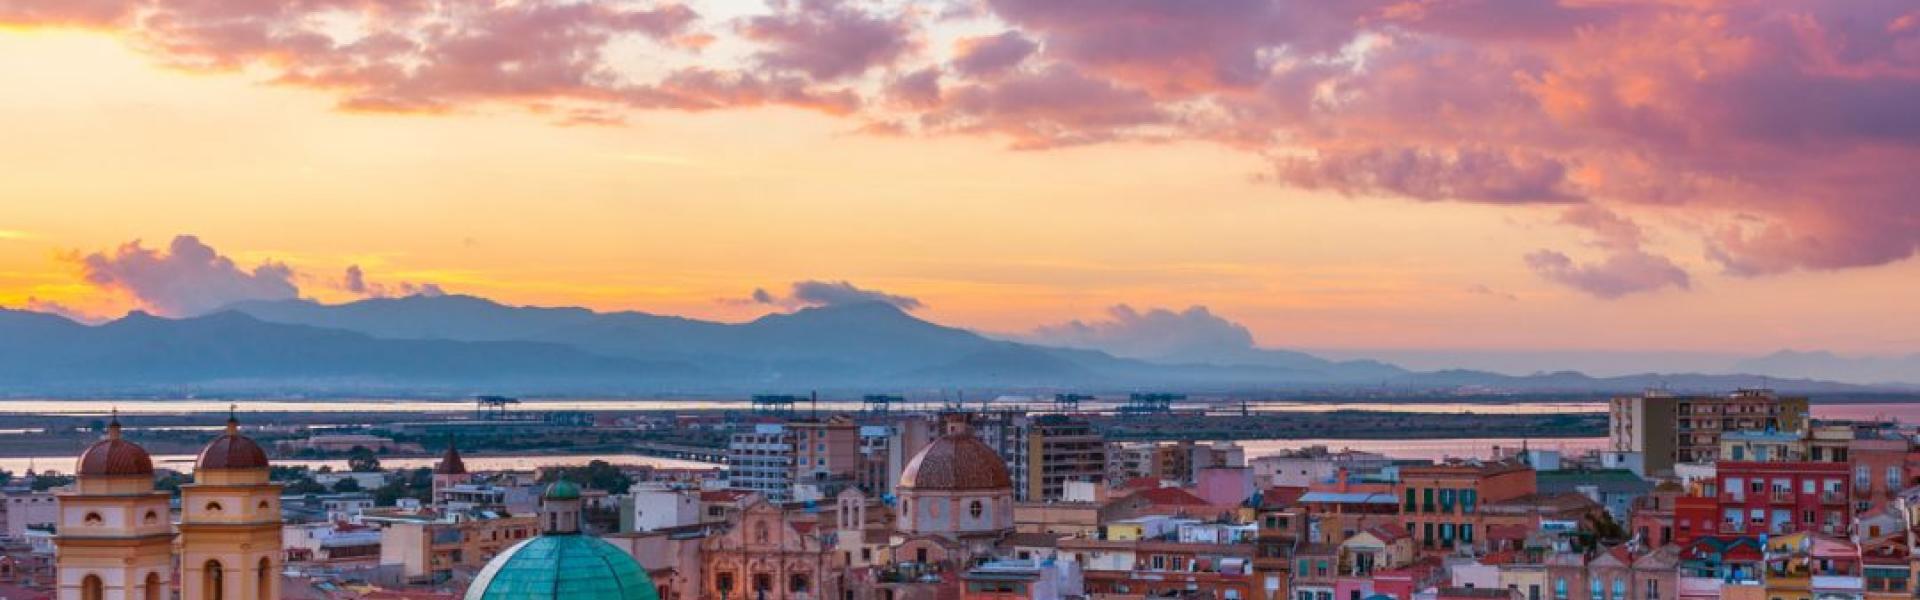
(563, 490)
(574, 567)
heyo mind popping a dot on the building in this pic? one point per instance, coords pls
(115, 542)
(799, 460)
(761, 460)
(25, 509)
(826, 457)
(1664, 429)
(772, 554)
(115, 537)
(562, 562)
(431, 546)
(1440, 505)
(956, 491)
(230, 536)
(1060, 449)
(1779, 498)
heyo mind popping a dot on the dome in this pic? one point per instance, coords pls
(232, 451)
(562, 490)
(956, 462)
(450, 463)
(114, 457)
(574, 567)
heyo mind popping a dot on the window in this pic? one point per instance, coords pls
(263, 582)
(1653, 589)
(1619, 589)
(214, 507)
(1560, 589)
(797, 583)
(1594, 589)
(91, 588)
(976, 509)
(153, 587)
(762, 582)
(213, 580)
(93, 518)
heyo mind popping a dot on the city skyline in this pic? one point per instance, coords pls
(1344, 219)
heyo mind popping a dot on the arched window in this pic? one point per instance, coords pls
(264, 581)
(760, 532)
(92, 588)
(153, 587)
(264, 505)
(214, 580)
(214, 507)
(1619, 589)
(151, 518)
(797, 583)
(976, 509)
(93, 518)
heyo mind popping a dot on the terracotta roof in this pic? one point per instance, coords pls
(722, 495)
(957, 461)
(232, 451)
(1167, 496)
(450, 463)
(1388, 534)
(114, 457)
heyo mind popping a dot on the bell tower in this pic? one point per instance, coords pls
(115, 539)
(230, 546)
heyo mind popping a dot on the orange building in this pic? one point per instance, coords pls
(1441, 504)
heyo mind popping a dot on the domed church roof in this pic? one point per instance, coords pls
(556, 566)
(958, 461)
(112, 456)
(232, 451)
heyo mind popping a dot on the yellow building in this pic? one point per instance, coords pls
(230, 536)
(115, 539)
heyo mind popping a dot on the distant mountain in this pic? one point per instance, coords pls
(1827, 365)
(463, 344)
(230, 350)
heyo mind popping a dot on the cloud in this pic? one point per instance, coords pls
(827, 293)
(1621, 273)
(189, 278)
(1154, 333)
(993, 54)
(355, 281)
(828, 39)
(1781, 134)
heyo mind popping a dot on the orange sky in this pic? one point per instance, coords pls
(675, 212)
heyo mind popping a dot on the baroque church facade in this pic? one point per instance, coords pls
(116, 539)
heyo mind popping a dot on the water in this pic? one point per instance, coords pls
(184, 462)
(1428, 449)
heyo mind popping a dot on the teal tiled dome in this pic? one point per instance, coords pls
(563, 490)
(574, 567)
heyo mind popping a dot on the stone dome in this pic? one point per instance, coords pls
(112, 457)
(958, 461)
(232, 451)
(569, 566)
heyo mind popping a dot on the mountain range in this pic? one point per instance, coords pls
(454, 345)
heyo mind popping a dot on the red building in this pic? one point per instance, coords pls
(1784, 497)
(1694, 517)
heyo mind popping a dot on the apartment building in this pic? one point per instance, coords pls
(1440, 505)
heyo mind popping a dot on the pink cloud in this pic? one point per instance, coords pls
(993, 54)
(1620, 274)
(188, 278)
(828, 39)
(1784, 129)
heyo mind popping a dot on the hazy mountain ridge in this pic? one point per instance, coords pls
(467, 344)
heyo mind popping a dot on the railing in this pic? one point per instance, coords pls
(1832, 497)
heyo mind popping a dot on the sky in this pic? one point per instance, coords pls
(1496, 176)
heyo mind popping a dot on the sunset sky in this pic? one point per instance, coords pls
(1672, 175)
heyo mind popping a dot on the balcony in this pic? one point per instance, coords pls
(1833, 497)
(1781, 496)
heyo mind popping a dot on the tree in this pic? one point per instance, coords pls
(346, 484)
(362, 460)
(599, 475)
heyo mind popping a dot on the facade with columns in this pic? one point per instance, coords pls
(115, 539)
